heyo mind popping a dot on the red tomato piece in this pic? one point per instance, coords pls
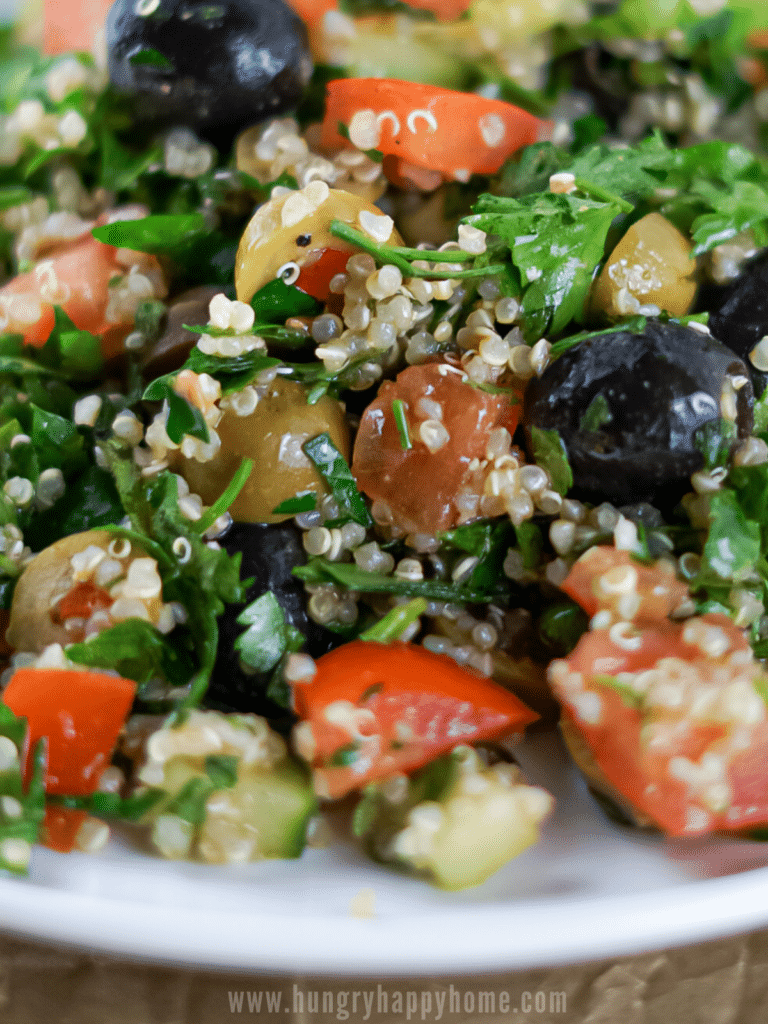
(73, 24)
(605, 578)
(673, 719)
(321, 267)
(79, 272)
(421, 486)
(373, 710)
(82, 601)
(455, 133)
(312, 11)
(80, 712)
(60, 827)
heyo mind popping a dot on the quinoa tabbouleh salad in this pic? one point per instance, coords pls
(378, 379)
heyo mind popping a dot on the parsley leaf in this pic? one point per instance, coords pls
(26, 825)
(555, 242)
(264, 642)
(333, 468)
(137, 650)
(550, 453)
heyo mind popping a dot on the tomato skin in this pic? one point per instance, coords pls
(418, 485)
(316, 274)
(83, 269)
(71, 25)
(419, 123)
(658, 590)
(679, 751)
(60, 827)
(400, 706)
(80, 712)
(82, 601)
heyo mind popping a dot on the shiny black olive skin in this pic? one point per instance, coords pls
(269, 554)
(653, 390)
(740, 319)
(216, 66)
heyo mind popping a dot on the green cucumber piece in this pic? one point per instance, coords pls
(279, 804)
(458, 821)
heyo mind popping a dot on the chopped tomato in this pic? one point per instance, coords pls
(73, 24)
(82, 601)
(80, 712)
(60, 827)
(455, 133)
(318, 271)
(311, 11)
(421, 486)
(373, 710)
(605, 578)
(673, 717)
(75, 276)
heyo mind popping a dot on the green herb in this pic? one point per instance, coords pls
(31, 800)
(166, 234)
(120, 168)
(306, 502)
(732, 547)
(137, 650)
(14, 195)
(555, 241)
(112, 805)
(597, 414)
(561, 627)
(76, 353)
(202, 584)
(400, 257)
(263, 643)
(396, 621)
(401, 422)
(715, 441)
(333, 468)
(221, 769)
(629, 696)
(276, 301)
(189, 803)
(183, 416)
(761, 413)
(151, 58)
(320, 570)
(227, 498)
(550, 453)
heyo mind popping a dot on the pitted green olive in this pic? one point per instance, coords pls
(272, 435)
(271, 239)
(652, 264)
(103, 565)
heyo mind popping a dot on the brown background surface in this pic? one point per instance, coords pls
(724, 982)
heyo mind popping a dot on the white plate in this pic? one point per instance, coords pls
(588, 890)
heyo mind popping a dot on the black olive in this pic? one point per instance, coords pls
(269, 554)
(216, 66)
(740, 319)
(627, 407)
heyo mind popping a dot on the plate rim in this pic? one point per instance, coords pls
(503, 937)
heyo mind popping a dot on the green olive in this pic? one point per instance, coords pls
(653, 263)
(34, 624)
(272, 435)
(272, 236)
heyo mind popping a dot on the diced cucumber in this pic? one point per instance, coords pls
(458, 821)
(230, 790)
(381, 53)
(279, 804)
